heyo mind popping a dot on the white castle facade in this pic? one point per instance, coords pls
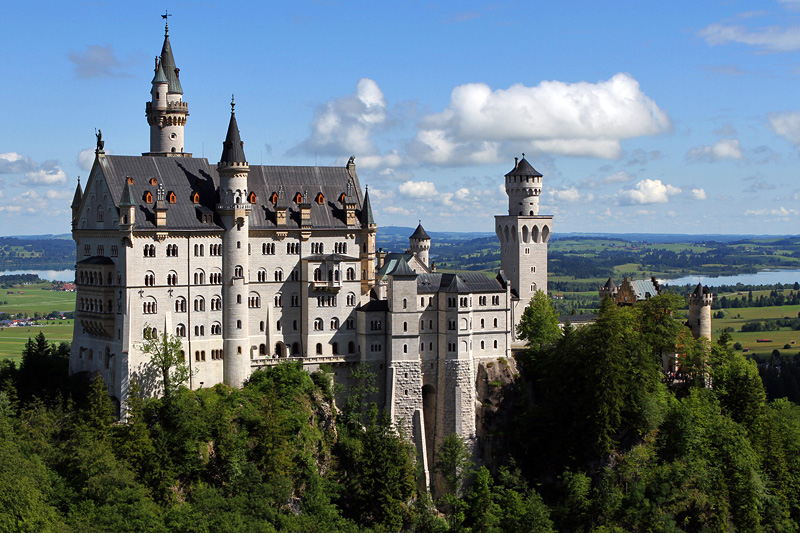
(253, 265)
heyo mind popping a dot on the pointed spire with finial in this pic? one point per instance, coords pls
(366, 210)
(76, 200)
(233, 147)
(126, 199)
(168, 61)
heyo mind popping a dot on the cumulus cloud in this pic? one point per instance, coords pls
(780, 212)
(86, 159)
(417, 189)
(786, 124)
(48, 173)
(97, 62)
(760, 186)
(773, 38)
(617, 177)
(396, 210)
(647, 192)
(722, 149)
(699, 194)
(578, 119)
(570, 195)
(345, 125)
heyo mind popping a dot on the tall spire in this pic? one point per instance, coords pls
(168, 64)
(76, 200)
(233, 147)
(366, 210)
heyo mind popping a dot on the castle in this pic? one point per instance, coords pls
(251, 265)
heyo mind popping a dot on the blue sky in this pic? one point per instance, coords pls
(669, 117)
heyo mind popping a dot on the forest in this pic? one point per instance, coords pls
(593, 437)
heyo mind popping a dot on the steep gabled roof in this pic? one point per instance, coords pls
(402, 270)
(463, 282)
(126, 200)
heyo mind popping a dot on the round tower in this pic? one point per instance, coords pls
(700, 301)
(523, 186)
(420, 244)
(234, 210)
(166, 111)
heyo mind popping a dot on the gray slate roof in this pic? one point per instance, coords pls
(366, 213)
(233, 147)
(170, 70)
(390, 262)
(463, 282)
(524, 168)
(401, 269)
(186, 175)
(644, 289)
(420, 233)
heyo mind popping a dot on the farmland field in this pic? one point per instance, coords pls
(34, 299)
(12, 340)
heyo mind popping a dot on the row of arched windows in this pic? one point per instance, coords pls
(95, 305)
(94, 278)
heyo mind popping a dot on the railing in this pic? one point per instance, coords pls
(313, 360)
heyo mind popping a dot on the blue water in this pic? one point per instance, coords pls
(765, 277)
(52, 275)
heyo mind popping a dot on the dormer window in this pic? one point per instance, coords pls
(130, 180)
(298, 198)
(196, 198)
(320, 198)
(153, 181)
(341, 198)
(148, 197)
(252, 198)
(171, 197)
(274, 198)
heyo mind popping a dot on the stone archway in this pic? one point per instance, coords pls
(280, 349)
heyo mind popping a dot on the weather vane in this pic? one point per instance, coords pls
(166, 22)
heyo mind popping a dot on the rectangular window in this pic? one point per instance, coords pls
(114, 250)
(87, 249)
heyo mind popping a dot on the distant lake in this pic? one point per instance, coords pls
(765, 277)
(52, 275)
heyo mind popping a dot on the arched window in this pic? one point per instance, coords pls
(405, 326)
(319, 348)
(238, 324)
(318, 324)
(351, 274)
(216, 328)
(335, 348)
(199, 304)
(195, 198)
(180, 330)
(334, 323)
(351, 347)
(405, 303)
(252, 198)
(171, 197)
(278, 275)
(351, 300)
(238, 271)
(278, 300)
(495, 322)
(254, 300)
(180, 304)
(216, 303)
(495, 344)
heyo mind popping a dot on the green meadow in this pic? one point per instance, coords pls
(35, 299)
(735, 318)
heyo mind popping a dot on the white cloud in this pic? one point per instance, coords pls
(44, 176)
(570, 195)
(760, 186)
(578, 119)
(345, 125)
(787, 125)
(396, 210)
(780, 212)
(14, 163)
(722, 149)
(86, 159)
(97, 62)
(774, 38)
(617, 177)
(418, 189)
(647, 192)
(699, 194)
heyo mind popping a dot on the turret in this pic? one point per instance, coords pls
(76, 204)
(523, 186)
(420, 244)
(166, 111)
(700, 301)
(234, 210)
(369, 229)
(127, 209)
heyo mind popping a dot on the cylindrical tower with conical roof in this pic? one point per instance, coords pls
(420, 244)
(234, 210)
(166, 111)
